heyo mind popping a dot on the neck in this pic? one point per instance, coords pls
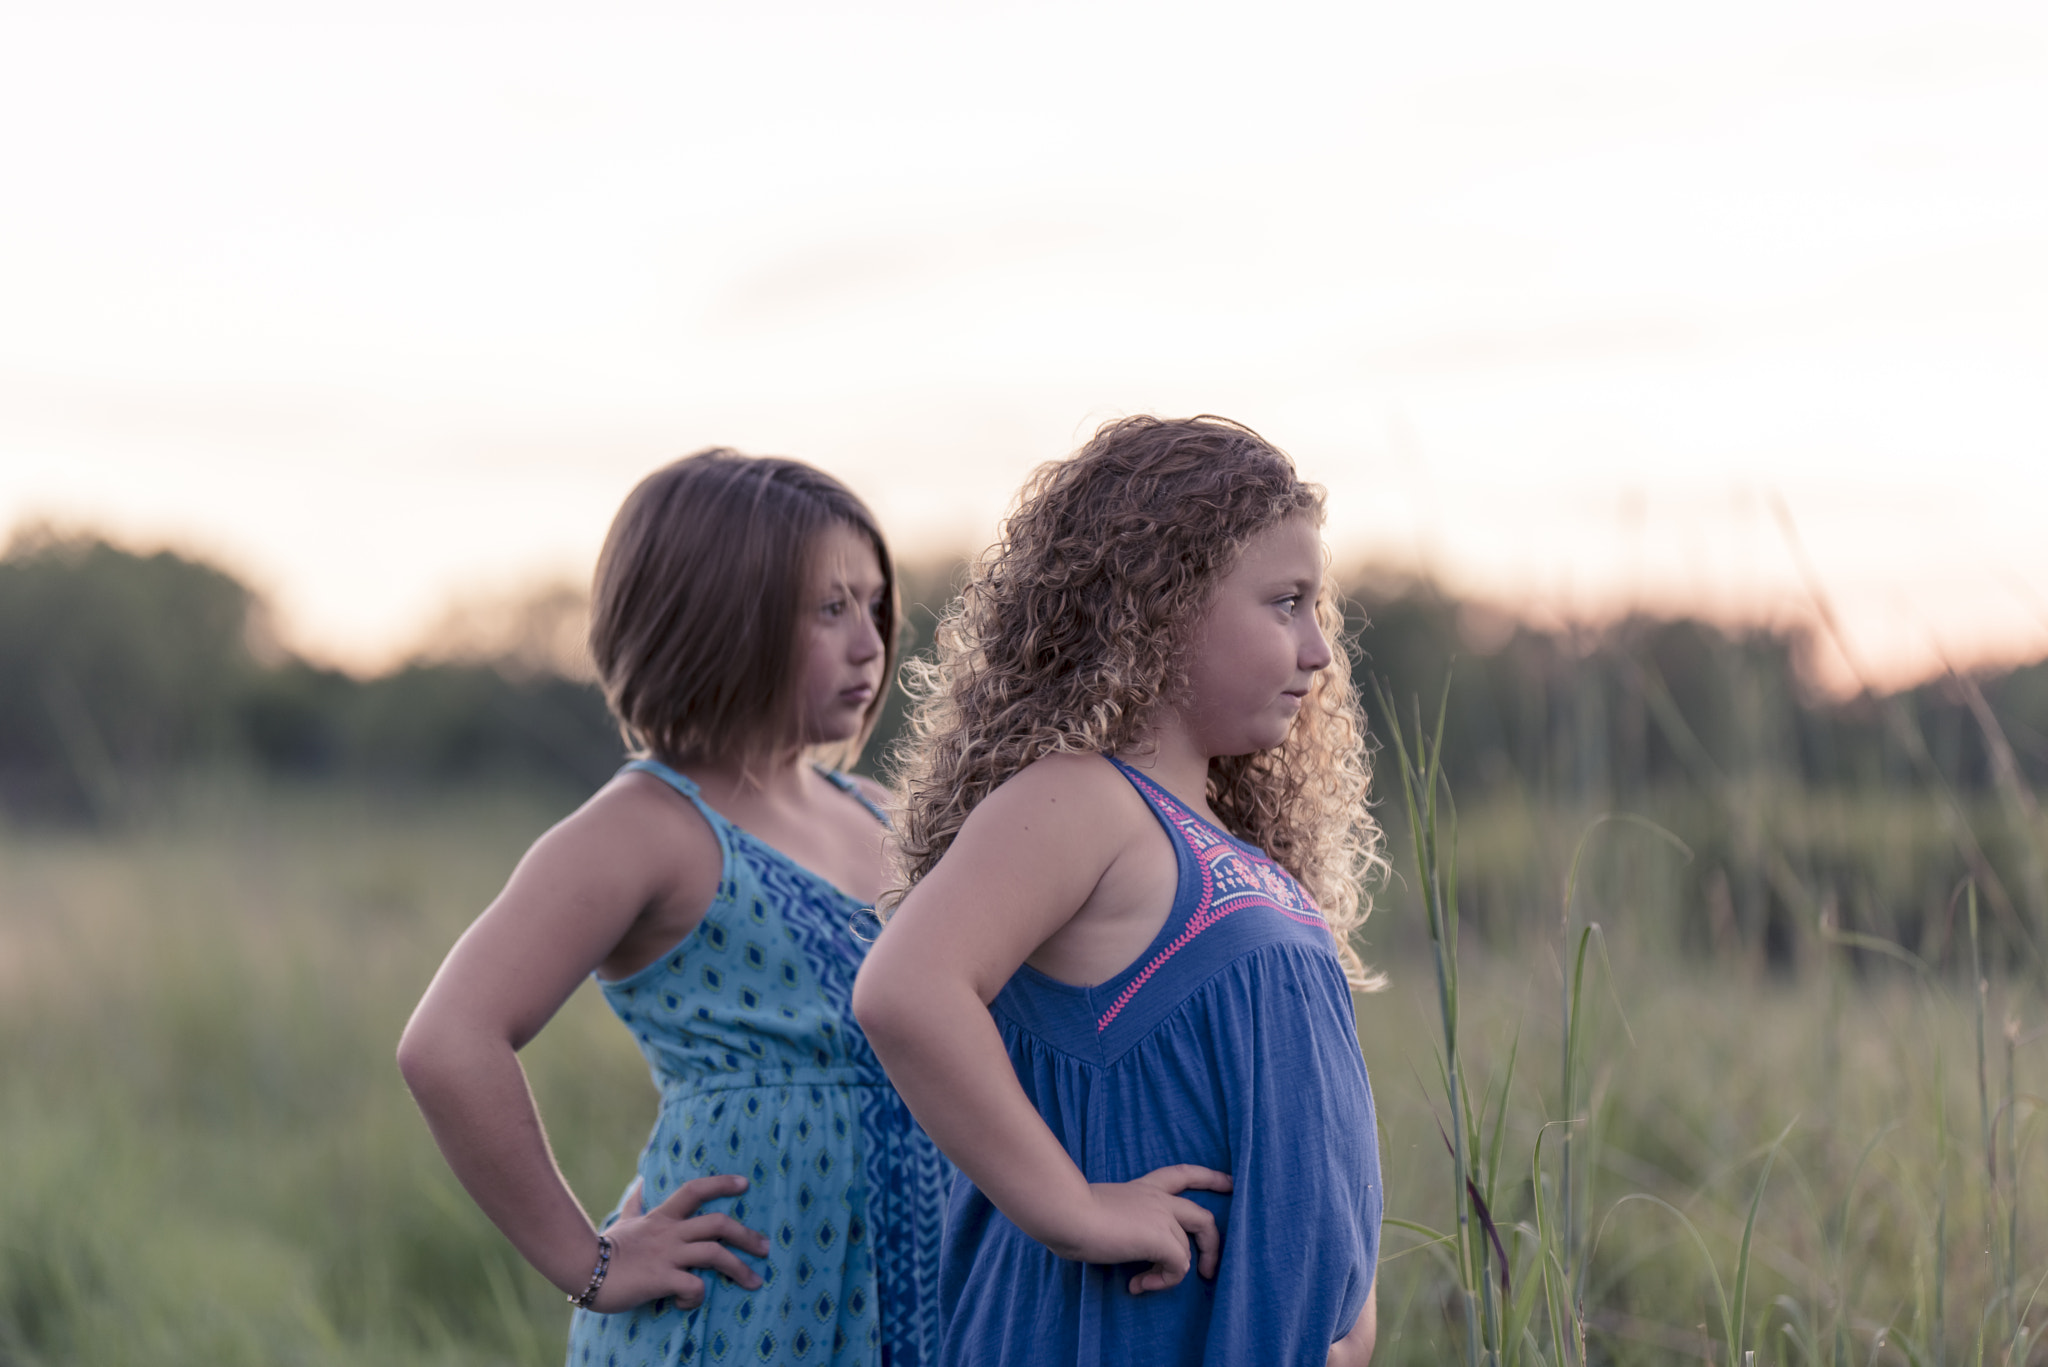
(773, 777)
(1170, 758)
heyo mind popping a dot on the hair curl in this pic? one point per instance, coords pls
(1071, 633)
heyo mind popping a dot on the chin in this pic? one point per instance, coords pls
(832, 730)
(1253, 745)
(1275, 740)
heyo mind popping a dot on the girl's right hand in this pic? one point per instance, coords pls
(1149, 1221)
(652, 1253)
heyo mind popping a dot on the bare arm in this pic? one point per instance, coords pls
(578, 893)
(1023, 865)
(1355, 1348)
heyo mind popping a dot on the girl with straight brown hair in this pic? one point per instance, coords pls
(743, 622)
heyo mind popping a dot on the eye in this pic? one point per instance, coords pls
(834, 607)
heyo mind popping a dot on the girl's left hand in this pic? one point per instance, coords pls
(671, 1250)
(1355, 1348)
(1149, 1221)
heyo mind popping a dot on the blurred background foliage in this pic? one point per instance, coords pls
(118, 667)
(120, 673)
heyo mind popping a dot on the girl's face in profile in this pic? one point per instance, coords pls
(842, 654)
(1257, 647)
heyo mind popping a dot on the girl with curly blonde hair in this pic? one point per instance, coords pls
(1134, 846)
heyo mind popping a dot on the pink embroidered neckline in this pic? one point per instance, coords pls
(1206, 912)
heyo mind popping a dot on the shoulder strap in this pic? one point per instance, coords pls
(852, 790)
(1196, 834)
(1155, 796)
(686, 786)
(1165, 807)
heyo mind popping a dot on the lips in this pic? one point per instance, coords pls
(858, 695)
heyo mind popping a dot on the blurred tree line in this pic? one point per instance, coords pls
(118, 668)
(119, 671)
(1593, 716)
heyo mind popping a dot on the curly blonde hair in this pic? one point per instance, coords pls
(1071, 633)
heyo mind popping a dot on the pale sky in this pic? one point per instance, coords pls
(386, 305)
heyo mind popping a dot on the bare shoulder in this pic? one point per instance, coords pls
(639, 827)
(1068, 797)
(1036, 864)
(609, 887)
(640, 864)
(1074, 776)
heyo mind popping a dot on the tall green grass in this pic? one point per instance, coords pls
(1639, 1223)
(209, 1156)
(1877, 1216)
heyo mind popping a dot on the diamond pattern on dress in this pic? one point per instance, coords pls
(749, 1034)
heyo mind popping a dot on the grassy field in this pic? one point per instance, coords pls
(209, 1156)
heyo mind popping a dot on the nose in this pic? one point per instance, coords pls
(867, 640)
(1315, 648)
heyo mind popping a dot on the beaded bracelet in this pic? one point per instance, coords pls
(604, 1265)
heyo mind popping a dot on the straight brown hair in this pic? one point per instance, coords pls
(698, 603)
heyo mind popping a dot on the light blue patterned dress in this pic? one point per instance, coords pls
(748, 1029)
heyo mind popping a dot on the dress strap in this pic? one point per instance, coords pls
(686, 786)
(852, 790)
(1169, 812)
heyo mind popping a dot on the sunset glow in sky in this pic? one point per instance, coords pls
(1563, 303)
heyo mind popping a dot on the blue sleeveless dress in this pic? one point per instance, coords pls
(748, 1029)
(1230, 1043)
